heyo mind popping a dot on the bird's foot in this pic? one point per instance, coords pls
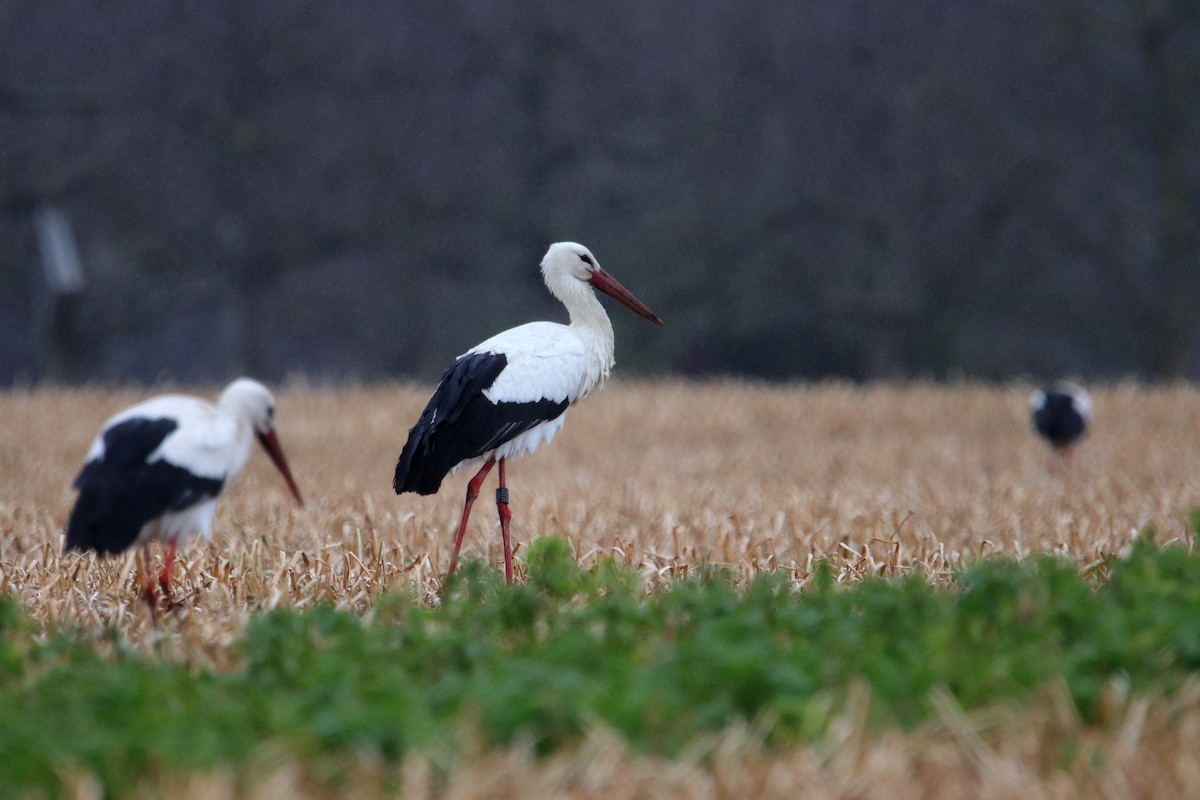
(151, 598)
(174, 603)
(170, 600)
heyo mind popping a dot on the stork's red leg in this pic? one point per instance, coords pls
(505, 516)
(472, 492)
(164, 578)
(148, 591)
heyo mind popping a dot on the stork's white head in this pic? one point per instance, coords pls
(249, 400)
(568, 259)
(568, 267)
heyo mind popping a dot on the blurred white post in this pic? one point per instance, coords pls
(60, 254)
(62, 347)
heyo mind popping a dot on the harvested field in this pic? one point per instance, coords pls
(665, 476)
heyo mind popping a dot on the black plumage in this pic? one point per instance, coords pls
(119, 491)
(460, 423)
(1061, 418)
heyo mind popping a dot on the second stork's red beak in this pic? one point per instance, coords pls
(613, 288)
(270, 443)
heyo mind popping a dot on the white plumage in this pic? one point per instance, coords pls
(508, 395)
(157, 469)
(545, 361)
(208, 442)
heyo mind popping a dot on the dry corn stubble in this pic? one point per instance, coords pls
(665, 477)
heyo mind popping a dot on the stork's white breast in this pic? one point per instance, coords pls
(206, 442)
(546, 361)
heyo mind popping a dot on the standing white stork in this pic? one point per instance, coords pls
(1061, 413)
(157, 469)
(507, 396)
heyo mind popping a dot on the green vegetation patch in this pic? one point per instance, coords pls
(570, 649)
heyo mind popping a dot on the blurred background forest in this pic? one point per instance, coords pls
(363, 190)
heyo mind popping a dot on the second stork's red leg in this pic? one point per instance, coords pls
(164, 578)
(472, 492)
(148, 588)
(505, 516)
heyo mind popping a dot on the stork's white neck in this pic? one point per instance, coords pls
(242, 402)
(591, 323)
(245, 437)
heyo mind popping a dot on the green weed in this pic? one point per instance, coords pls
(544, 660)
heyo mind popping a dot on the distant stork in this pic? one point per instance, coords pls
(1061, 413)
(509, 395)
(157, 469)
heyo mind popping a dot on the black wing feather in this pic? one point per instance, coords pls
(1058, 419)
(120, 492)
(460, 423)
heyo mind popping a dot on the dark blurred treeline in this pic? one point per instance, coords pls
(801, 189)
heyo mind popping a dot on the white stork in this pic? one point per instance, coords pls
(157, 469)
(1061, 413)
(507, 396)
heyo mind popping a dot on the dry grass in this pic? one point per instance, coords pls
(664, 476)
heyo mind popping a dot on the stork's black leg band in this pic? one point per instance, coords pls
(502, 496)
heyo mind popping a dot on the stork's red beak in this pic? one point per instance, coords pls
(270, 443)
(611, 287)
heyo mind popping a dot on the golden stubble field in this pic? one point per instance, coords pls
(665, 476)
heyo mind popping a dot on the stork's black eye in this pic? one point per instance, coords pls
(587, 259)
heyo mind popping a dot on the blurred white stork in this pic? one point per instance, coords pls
(509, 395)
(156, 470)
